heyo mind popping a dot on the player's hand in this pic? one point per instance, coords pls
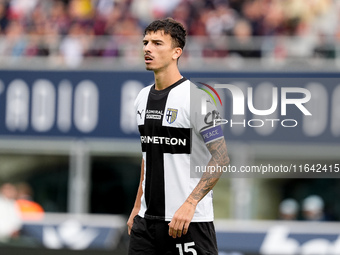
(130, 220)
(180, 222)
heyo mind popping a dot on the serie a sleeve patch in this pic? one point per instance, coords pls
(212, 133)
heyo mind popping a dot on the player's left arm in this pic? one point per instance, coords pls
(219, 156)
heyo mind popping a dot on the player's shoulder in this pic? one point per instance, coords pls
(145, 90)
(190, 86)
(143, 93)
(196, 92)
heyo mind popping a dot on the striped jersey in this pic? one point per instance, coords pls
(174, 129)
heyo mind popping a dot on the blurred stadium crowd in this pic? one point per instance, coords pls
(70, 30)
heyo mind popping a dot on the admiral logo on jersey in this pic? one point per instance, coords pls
(153, 114)
(171, 115)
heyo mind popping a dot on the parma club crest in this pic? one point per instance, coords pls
(171, 115)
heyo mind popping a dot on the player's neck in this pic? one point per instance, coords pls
(164, 79)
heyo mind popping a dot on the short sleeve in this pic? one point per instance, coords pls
(205, 116)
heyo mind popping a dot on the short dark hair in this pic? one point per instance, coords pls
(170, 26)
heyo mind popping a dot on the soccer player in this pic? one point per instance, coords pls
(173, 211)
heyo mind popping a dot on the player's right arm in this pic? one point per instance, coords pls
(137, 204)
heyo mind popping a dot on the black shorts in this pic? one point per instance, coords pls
(150, 237)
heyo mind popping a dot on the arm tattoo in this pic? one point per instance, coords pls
(219, 156)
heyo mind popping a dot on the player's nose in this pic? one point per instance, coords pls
(147, 48)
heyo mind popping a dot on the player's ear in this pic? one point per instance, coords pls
(177, 53)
